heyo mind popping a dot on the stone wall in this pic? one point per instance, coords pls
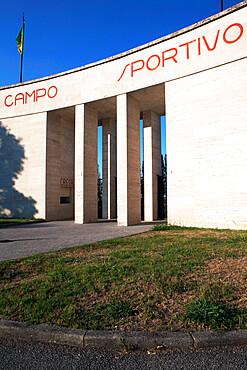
(206, 148)
(23, 166)
(60, 165)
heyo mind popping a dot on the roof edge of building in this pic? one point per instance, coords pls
(138, 48)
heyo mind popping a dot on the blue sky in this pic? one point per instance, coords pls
(62, 35)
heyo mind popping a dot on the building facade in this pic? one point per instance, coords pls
(197, 77)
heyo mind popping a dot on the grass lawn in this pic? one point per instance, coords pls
(171, 279)
(9, 220)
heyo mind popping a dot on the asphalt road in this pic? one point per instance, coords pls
(30, 239)
(17, 355)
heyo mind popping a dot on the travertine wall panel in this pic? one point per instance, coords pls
(128, 161)
(206, 148)
(86, 127)
(23, 166)
(60, 165)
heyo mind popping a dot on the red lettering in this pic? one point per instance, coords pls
(153, 56)
(199, 46)
(5, 101)
(171, 57)
(138, 69)
(27, 95)
(48, 92)
(241, 29)
(40, 96)
(123, 71)
(187, 47)
(215, 42)
(19, 96)
(35, 94)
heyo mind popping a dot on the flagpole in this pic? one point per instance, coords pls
(222, 5)
(23, 24)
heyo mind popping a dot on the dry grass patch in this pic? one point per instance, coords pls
(172, 279)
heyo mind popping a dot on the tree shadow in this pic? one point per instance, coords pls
(12, 156)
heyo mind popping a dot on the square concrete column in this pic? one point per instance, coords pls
(86, 201)
(109, 164)
(128, 161)
(152, 163)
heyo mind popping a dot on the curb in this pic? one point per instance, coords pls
(119, 340)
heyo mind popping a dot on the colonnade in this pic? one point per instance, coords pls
(121, 162)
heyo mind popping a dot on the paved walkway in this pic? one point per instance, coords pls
(30, 239)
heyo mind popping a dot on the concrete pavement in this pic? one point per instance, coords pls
(35, 238)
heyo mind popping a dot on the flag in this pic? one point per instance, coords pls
(19, 40)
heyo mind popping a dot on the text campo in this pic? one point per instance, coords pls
(229, 36)
(34, 96)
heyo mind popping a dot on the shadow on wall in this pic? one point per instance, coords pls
(12, 155)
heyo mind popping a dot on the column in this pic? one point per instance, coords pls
(152, 163)
(128, 161)
(86, 202)
(109, 164)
